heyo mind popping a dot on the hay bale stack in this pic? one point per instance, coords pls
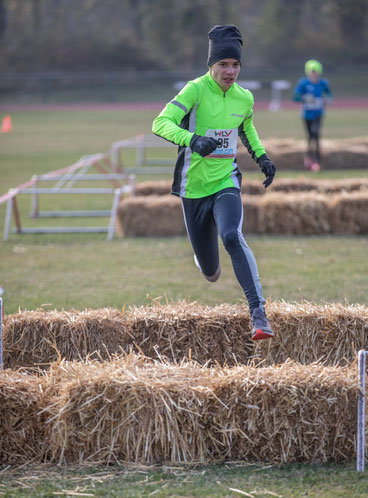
(22, 426)
(292, 214)
(163, 187)
(158, 413)
(291, 185)
(289, 157)
(289, 154)
(304, 333)
(255, 187)
(347, 185)
(302, 213)
(349, 213)
(174, 331)
(153, 216)
(37, 338)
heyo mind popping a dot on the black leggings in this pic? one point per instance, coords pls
(222, 213)
(313, 127)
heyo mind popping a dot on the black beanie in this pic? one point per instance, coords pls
(225, 42)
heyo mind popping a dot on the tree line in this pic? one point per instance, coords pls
(82, 35)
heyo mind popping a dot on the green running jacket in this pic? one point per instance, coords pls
(203, 108)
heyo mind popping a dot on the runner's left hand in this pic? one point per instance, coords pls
(268, 169)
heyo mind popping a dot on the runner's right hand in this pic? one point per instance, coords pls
(203, 145)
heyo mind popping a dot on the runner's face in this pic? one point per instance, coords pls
(225, 72)
(314, 76)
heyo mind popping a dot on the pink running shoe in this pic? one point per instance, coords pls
(315, 167)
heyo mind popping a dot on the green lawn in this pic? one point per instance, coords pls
(84, 270)
(222, 480)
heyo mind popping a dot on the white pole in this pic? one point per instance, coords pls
(361, 411)
(140, 152)
(1, 334)
(8, 215)
(34, 208)
(114, 210)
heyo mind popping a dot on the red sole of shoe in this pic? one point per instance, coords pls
(259, 335)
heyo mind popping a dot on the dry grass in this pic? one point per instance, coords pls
(209, 335)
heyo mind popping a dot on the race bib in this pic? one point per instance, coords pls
(228, 139)
(312, 103)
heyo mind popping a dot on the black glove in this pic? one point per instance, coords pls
(268, 169)
(203, 145)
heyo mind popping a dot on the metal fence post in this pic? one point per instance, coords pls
(361, 411)
(35, 206)
(8, 215)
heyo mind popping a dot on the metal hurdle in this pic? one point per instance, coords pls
(144, 165)
(65, 179)
(362, 368)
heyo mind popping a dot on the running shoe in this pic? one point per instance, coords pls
(261, 328)
(315, 167)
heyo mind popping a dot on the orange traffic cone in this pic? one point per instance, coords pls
(6, 124)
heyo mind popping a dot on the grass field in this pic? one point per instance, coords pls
(223, 480)
(80, 271)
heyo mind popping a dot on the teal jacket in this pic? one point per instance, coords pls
(203, 108)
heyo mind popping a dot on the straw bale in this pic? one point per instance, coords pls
(289, 413)
(291, 207)
(346, 185)
(207, 334)
(255, 187)
(294, 185)
(307, 332)
(289, 154)
(154, 413)
(292, 214)
(304, 332)
(22, 427)
(285, 158)
(253, 221)
(349, 213)
(304, 184)
(153, 216)
(40, 337)
(157, 187)
(163, 187)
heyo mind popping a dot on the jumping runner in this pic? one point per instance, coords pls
(205, 120)
(313, 91)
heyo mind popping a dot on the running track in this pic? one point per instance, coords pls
(343, 103)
